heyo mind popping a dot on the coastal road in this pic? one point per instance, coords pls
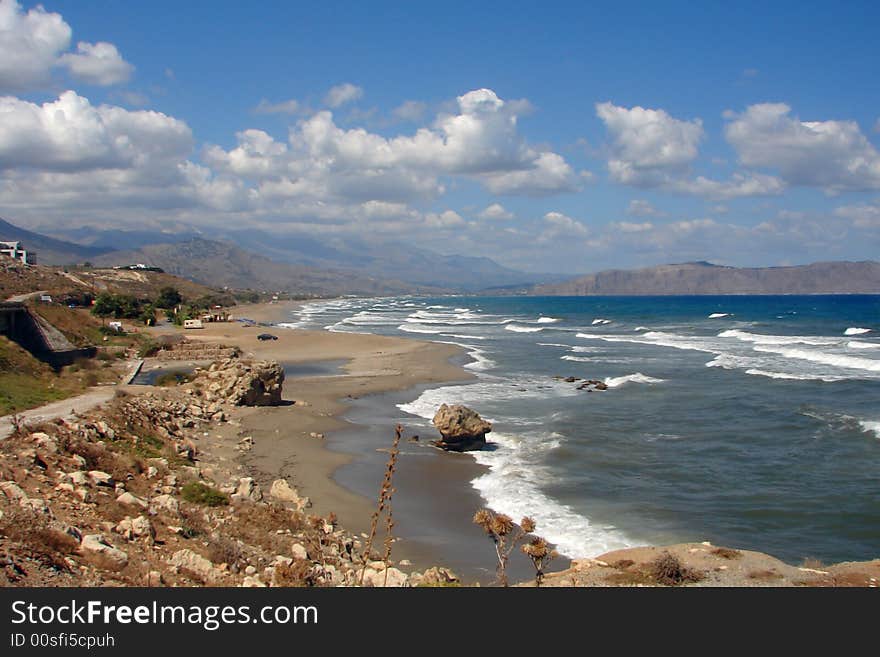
(66, 408)
(21, 298)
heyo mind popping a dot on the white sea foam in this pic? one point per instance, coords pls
(856, 331)
(835, 360)
(872, 426)
(514, 486)
(576, 359)
(553, 344)
(415, 328)
(638, 377)
(464, 337)
(523, 329)
(547, 320)
(854, 344)
(758, 338)
(601, 321)
(718, 315)
(641, 328)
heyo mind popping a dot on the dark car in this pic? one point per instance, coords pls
(267, 336)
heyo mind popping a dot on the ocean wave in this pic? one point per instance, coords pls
(553, 344)
(464, 337)
(600, 321)
(835, 360)
(410, 328)
(523, 329)
(576, 359)
(638, 377)
(856, 331)
(758, 338)
(854, 344)
(871, 426)
(547, 320)
(514, 486)
(718, 315)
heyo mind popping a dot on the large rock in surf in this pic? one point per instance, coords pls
(462, 429)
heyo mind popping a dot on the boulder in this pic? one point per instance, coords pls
(284, 492)
(133, 528)
(167, 503)
(390, 577)
(247, 491)
(461, 428)
(98, 551)
(195, 565)
(132, 500)
(13, 491)
(99, 478)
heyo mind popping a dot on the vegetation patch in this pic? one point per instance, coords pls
(199, 493)
(726, 553)
(668, 570)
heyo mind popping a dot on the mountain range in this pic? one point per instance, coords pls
(706, 278)
(303, 264)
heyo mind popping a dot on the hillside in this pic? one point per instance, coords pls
(705, 278)
(50, 251)
(367, 258)
(222, 264)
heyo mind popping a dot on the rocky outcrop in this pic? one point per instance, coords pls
(256, 383)
(461, 428)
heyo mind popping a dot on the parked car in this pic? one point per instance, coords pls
(267, 336)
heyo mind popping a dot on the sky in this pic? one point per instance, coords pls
(551, 137)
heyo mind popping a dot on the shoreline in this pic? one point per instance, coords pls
(372, 366)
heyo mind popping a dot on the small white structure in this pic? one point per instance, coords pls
(45, 298)
(116, 326)
(14, 250)
(193, 324)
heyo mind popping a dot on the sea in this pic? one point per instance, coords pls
(749, 421)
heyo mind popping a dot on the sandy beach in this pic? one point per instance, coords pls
(363, 365)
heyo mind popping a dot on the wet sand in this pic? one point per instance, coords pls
(342, 472)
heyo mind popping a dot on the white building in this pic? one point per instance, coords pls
(14, 250)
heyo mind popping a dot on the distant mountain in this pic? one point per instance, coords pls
(706, 278)
(369, 258)
(50, 251)
(221, 264)
(394, 260)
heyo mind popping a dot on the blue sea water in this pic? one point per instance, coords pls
(751, 422)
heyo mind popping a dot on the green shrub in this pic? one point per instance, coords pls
(199, 493)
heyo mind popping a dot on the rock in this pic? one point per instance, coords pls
(298, 551)
(132, 500)
(461, 428)
(284, 492)
(253, 582)
(571, 379)
(601, 386)
(133, 528)
(247, 490)
(64, 532)
(390, 577)
(152, 471)
(13, 491)
(45, 442)
(194, 565)
(257, 383)
(99, 478)
(98, 551)
(438, 577)
(37, 505)
(316, 435)
(78, 478)
(153, 578)
(250, 570)
(166, 503)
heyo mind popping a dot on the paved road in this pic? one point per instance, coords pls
(63, 409)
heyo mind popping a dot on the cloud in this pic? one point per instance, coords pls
(29, 45)
(647, 144)
(410, 110)
(833, 156)
(863, 215)
(740, 185)
(447, 219)
(480, 142)
(70, 134)
(629, 227)
(283, 107)
(342, 94)
(97, 63)
(560, 226)
(494, 212)
(640, 208)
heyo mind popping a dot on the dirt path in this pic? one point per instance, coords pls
(65, 408)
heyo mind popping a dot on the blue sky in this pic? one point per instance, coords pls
(554, 137)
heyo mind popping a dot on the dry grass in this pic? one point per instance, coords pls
(726, 553)
(668, 570)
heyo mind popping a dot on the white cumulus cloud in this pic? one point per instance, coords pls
(342, 94)
(831, 155)
(29, 45)
(495, 211)
(97, 63)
